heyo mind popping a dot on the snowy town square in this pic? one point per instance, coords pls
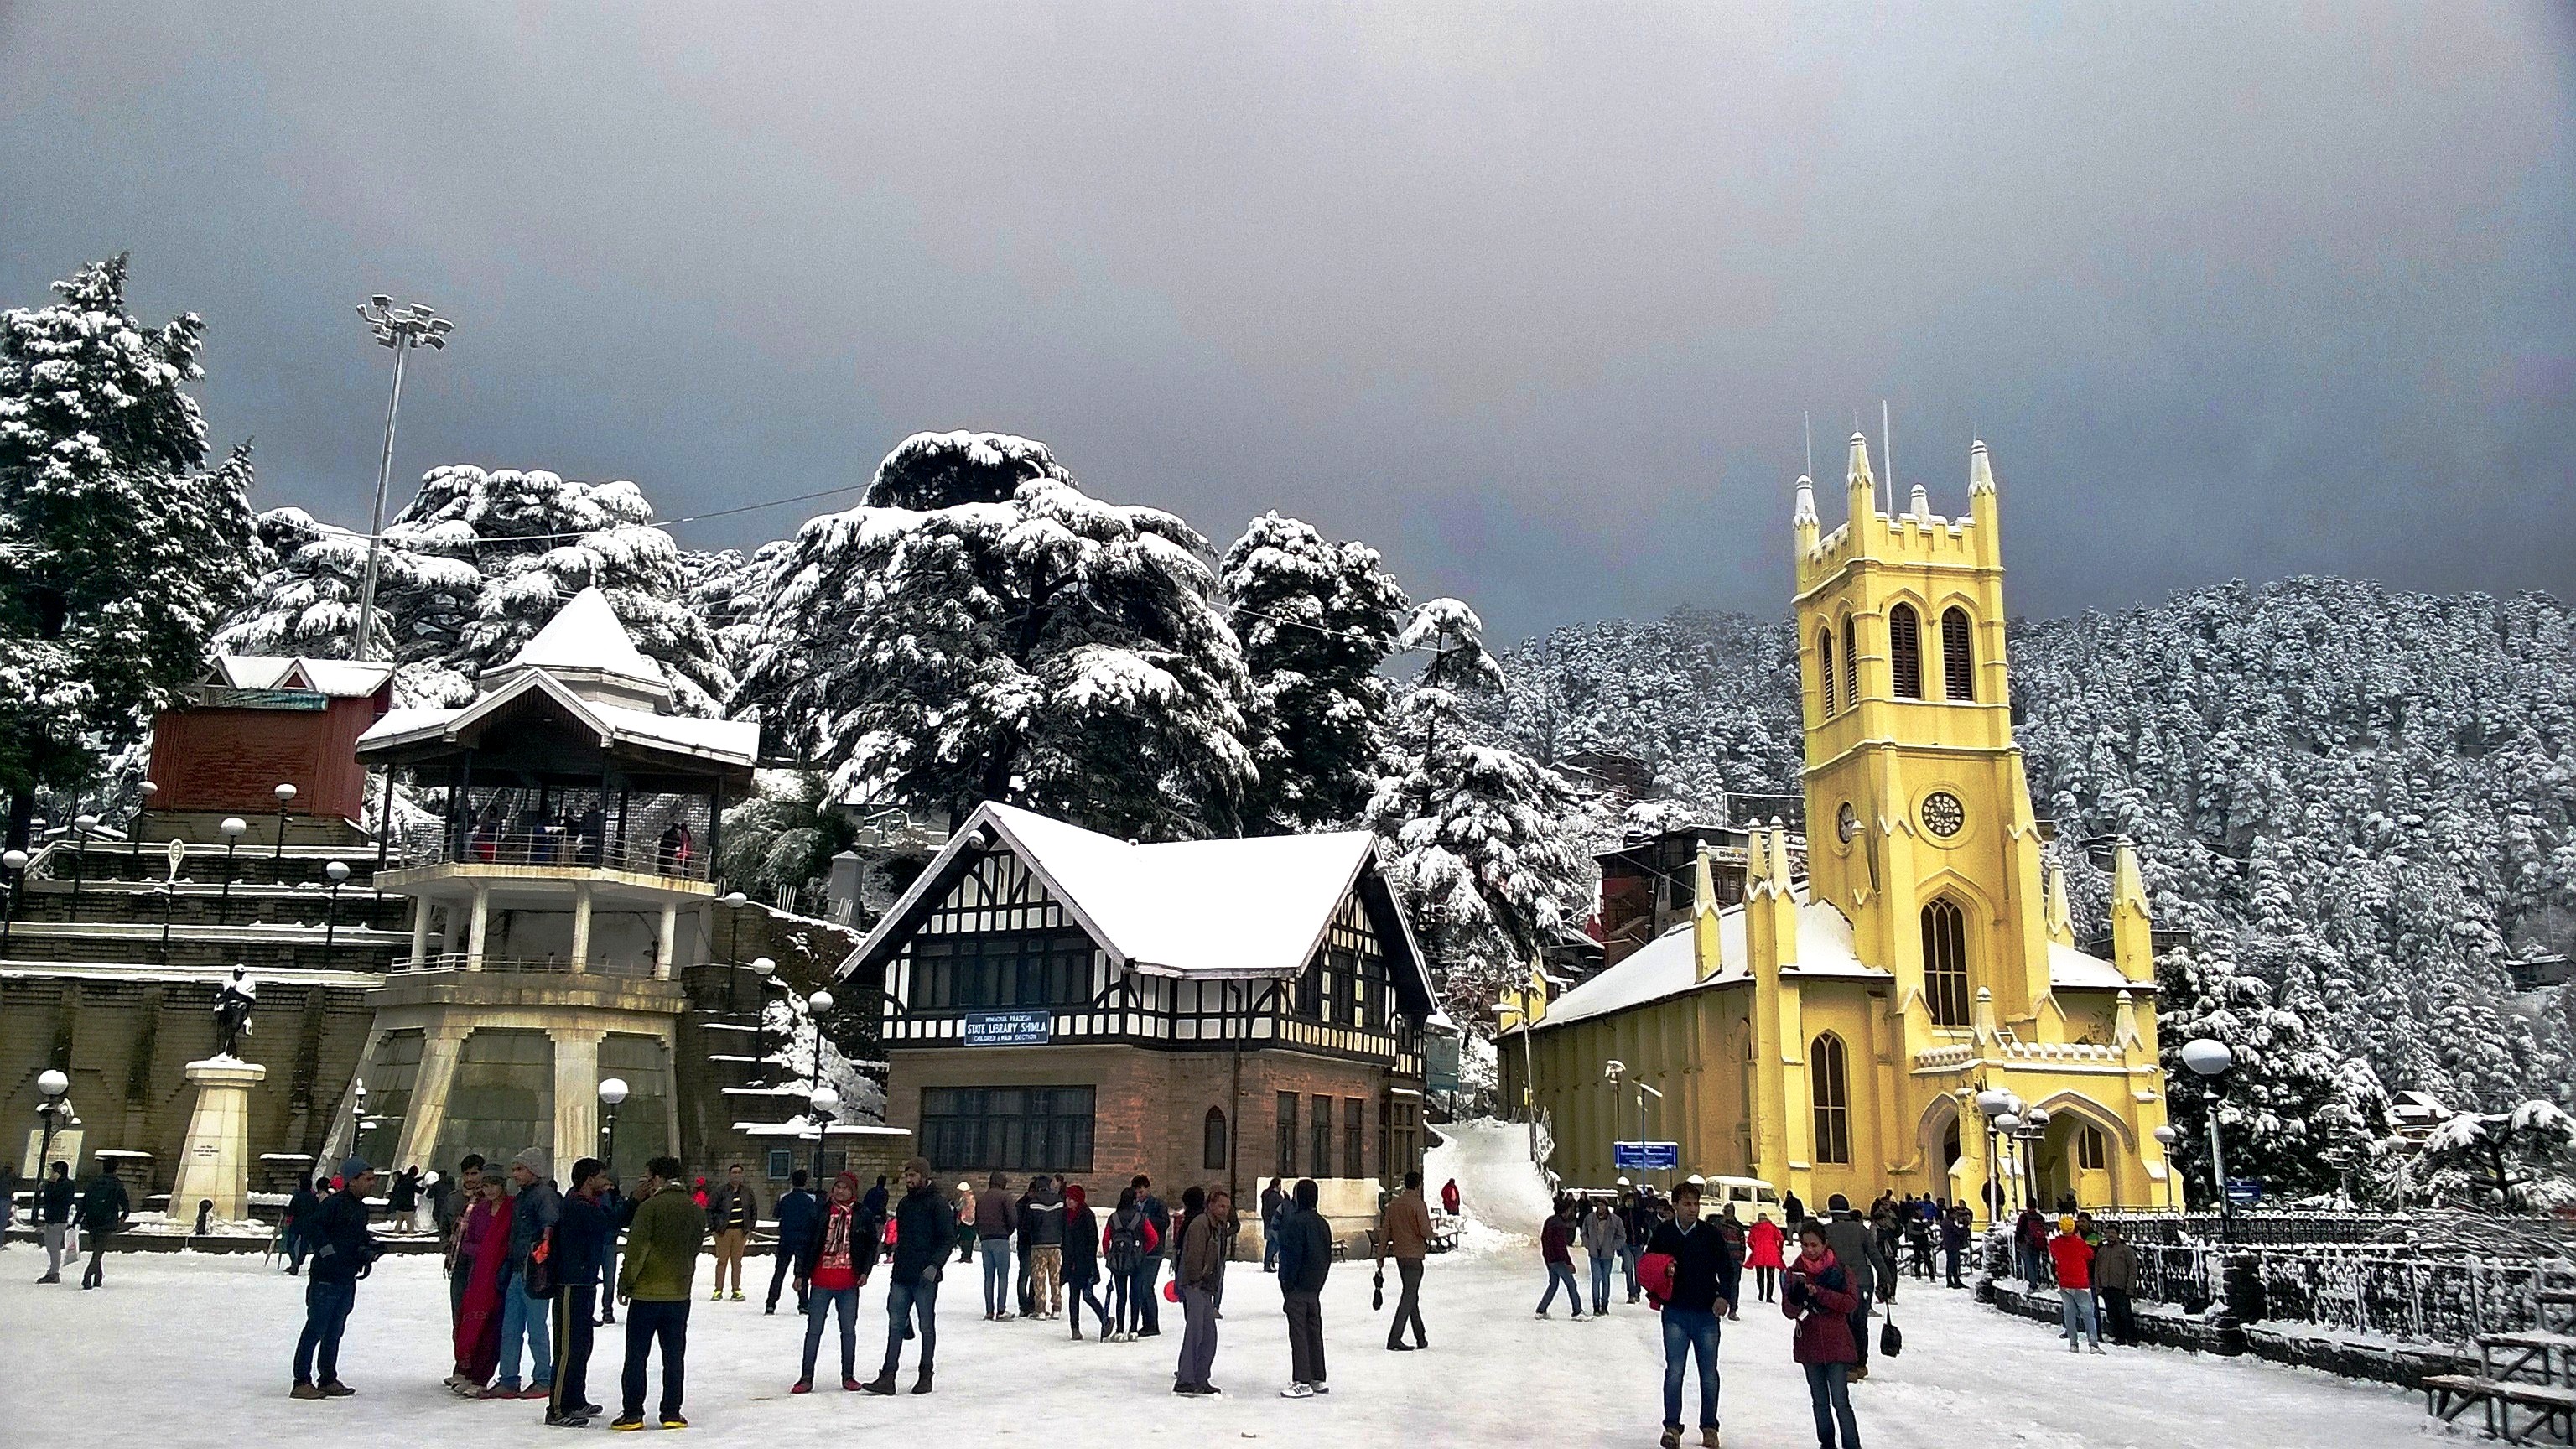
(192, 1344)
(1162, 723)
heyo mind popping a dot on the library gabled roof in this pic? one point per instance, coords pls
(1255, 907)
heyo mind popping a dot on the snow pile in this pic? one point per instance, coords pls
(1502, 1199)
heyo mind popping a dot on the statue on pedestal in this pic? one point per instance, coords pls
(233, 1003)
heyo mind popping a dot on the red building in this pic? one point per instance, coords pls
(259, 722)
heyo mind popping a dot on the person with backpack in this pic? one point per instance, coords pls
(104, 1207)
(1605, 1239)
(1555, 1249)
(1685, 1277)
(1305, 1260)
(798, 1210)
(832, 1255)
(1816, 1291)
(1082, 1240)
(1762, 1244)
(1129, 1247)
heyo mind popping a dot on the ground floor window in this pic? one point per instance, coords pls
(1212, 1153)
(1287, 1166)
(1354, 1136)
(1007, 1129)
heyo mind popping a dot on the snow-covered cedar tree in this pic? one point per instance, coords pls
(2392, 774)
(2293, 1111)
(2502, 1154)
(779, 844)
(532, 540)
(1648, 819)
(730, 593)
(1478, 846)
(980, 628)
(124, 549)
(1317, 620)
(307, 603)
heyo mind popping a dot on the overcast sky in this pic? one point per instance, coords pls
(1531, 297)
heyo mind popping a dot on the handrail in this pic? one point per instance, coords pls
(571, 849)
(551, 965)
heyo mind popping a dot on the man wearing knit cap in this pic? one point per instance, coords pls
(342, 1250)
(832, 1257)
(921, 1221)
(523, 1317)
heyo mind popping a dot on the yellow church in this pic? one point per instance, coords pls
(1833, 1032)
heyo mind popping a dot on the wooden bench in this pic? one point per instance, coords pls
(2542, 1408)
(2540, 1357)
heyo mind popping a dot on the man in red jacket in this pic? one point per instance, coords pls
(2072, 1257)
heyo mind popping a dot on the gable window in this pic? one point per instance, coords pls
(1958, 656)
(1945, 962)
(1851, 662)
(1905, 650)
(1825, 667)
(1212, 1136)
(1830, 1081)
(1002, 969)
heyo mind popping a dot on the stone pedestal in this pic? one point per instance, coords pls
(214, 1162)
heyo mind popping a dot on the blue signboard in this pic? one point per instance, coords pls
(2244, 1191)
(1009, 1028)
(1440, 1062)
(1646, 1156)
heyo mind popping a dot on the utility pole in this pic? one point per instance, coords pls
(402, 329)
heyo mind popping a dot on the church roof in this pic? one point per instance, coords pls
(1219, 909)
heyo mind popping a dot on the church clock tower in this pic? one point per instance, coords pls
(1919, 822)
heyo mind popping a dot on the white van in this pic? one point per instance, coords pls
(1749, 1194)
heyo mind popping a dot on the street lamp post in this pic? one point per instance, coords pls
(402, 329)
(821, 1102)
(357, 1115)
(134, 827)
(1993, 1105)
(338, 871)
(762, 971)
(2166, 1137)
(53, 1085)
(733, 903)
(82, 825)
(1611, 1071)
(15, 863)
(824, 1098)
(277, 857)
(232, 828)
(2209, 1059)
(612, 1091)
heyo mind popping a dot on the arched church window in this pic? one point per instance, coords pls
(2092, 1152)
(1905, 650)
(1958, 656)
(1829, 1081)
(1825, 667)
(1851, 661)
(1945, 962)
(1213, 1136)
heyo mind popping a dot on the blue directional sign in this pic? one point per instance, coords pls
(2244, 1191)
(1009, 1028)
(1646, 1156)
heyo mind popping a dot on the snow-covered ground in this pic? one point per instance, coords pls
(195, 1349)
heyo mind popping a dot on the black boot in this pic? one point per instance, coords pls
(883, 1383)
(921, 1385)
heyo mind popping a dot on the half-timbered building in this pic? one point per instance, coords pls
(1216, 1012)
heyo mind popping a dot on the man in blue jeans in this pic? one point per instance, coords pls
(523, 1318)
(921, 1221)
(1703, 1293)
(996, 1218)
(342, 1250)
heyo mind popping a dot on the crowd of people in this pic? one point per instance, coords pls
(532, 1269)
(2092, 1267)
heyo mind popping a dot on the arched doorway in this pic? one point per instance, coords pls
(2081, 1157)
(1937, 1139)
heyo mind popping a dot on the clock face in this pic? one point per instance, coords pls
(1847, 823)
(1943, 814)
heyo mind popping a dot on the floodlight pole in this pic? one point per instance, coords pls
(402, 329)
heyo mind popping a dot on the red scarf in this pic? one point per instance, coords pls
(832, 1266)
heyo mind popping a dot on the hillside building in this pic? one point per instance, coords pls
(1832, 1031)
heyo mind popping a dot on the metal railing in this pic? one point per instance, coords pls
(547, 965)
(564, 848)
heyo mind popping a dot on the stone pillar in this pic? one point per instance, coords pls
(419, 929)
(429, 1093)
(666, 948)
(581, 927)
(214, 1162)
(576, 1098)
(482, 924)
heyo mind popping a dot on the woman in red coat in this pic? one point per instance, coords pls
(1819, 1295)
(1762, 1254)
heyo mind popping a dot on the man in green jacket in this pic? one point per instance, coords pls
(655, 1278)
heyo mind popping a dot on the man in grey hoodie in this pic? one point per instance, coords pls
(532, 1221)
(1855, 1246)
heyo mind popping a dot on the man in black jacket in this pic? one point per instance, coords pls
(922, 1235)
(798, 1212)
(104, 1208)
(343, 1250)
(578, 1250)
(54, 1199)
(1305, 1257)
(1700, 1294)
